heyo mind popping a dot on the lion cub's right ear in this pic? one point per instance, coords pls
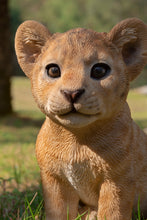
(30, 38)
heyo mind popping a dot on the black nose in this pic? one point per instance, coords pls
(72, 96)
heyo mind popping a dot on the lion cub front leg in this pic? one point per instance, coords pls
(59, 197)
(115, 201)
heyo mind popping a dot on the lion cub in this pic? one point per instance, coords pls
(89, 149)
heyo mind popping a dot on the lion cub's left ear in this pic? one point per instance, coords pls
(130, 36)
(30, 38)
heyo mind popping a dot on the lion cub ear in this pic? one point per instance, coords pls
(130, 36)
(30, 38)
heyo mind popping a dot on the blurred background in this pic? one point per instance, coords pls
(20, 119)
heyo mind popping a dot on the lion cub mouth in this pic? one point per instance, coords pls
(73, 110)
(77, 112)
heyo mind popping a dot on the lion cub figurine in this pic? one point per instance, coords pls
(89, 149)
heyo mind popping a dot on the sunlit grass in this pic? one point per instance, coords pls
(138, 106)
(18, 133)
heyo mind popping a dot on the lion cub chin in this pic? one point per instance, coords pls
(89, 149)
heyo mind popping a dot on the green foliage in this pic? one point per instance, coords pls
(61, 15)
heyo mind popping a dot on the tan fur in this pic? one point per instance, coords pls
(97, 154)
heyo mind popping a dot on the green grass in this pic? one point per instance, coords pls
(19, 171)
(20, 188)
(138, 106)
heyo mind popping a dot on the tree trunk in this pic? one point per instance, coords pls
(5, 60)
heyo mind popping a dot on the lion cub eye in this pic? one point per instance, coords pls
(100, 70)
(53, 70)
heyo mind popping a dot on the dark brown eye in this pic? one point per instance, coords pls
(53, 70)
(100, 70)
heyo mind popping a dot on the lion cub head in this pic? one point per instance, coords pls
(81, 76)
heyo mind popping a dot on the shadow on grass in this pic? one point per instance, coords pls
(20, 121)
(21, 129)
(18, 205)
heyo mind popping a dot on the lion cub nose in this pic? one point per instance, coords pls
(72, 96)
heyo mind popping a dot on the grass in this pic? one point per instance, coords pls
(138, 106)
(19, 172)
(20, 187)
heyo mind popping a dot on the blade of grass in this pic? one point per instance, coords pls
(139, 214)
(67, 212)
(27, 207)
(79, 216)
(30, 209)
(39, 207)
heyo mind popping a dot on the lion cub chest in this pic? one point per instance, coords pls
(84, 177)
